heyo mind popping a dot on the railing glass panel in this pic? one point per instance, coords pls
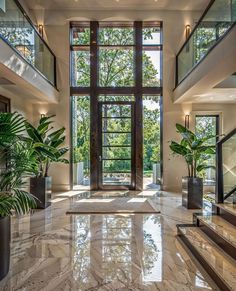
(229, 164)
(19, 33)
(215, 23)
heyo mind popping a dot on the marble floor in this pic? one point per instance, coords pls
(54, 251)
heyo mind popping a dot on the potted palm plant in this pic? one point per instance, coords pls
(196, 152)
(17, 164)
(47, 144)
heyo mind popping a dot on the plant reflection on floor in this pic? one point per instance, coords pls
(117, 249)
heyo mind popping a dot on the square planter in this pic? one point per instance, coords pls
(5, 235)
(192, 192)
(41, 188)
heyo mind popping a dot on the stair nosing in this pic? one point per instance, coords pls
(222, 253)
(221, 206)
(200, 217)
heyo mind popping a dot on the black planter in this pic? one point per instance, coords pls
(41, 188)
(5, 238)
(192, 192)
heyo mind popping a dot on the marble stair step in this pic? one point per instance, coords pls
(227, 211)
(215, 261)
(227, 207)
(221, 227)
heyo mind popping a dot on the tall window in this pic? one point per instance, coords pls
(116, 64)
(208, 125)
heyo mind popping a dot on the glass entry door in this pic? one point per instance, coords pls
(116, 145)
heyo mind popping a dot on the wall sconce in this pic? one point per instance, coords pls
(42, 115)
(186, 121)
(40, 29)
(187, 31)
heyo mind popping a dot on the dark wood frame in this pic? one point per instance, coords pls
(217, 116)
(7, 103)
(137, 90)
(133, 147)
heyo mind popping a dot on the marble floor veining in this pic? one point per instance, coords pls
(54, 251)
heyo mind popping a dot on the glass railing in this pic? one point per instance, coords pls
(19, 32)
(213, 25)
(226, 167)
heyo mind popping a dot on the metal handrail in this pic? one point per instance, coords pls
(220, 195)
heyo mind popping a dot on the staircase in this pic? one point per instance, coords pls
(211, 237)
(212, 240)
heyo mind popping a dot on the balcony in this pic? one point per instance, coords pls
(25, 58)
(201, 62)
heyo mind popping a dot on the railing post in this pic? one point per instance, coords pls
(219, 174)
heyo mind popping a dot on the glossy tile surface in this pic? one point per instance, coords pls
(228, 207)
(224, 266)
(221, 227)
(54, 251)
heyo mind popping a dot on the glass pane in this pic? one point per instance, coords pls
(116, 139)
(119, 166)
(116, 36)
(81, 141)
(116, 125)
(110, 110)
(116, 179)
(115, 98)
(80, 35)
(151, 36)
(80, 69)
(116, 67)
(214, 25)
(116, 152)
(20, 34)
(207, 126)
(229, 164)
(151, 68)
(151, 142)
(44, 60)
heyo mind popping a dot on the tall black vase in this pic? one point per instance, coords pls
(192, 192)
(5, 238)
(41, 188)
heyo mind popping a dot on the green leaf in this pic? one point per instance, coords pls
(33, 133)
(178, 149)
(204, 167)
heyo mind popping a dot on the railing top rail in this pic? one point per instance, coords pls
(230, 193)
(227, 137)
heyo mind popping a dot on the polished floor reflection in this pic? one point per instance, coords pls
(54, 251)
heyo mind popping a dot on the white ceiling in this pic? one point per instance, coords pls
(118, 4)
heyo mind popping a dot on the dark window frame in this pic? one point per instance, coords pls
(138, 90)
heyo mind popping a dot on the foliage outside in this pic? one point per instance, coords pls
(194, 149)
(116, 69)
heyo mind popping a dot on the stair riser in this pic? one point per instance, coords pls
(218, 281)
(227, 216)
(221, 242)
